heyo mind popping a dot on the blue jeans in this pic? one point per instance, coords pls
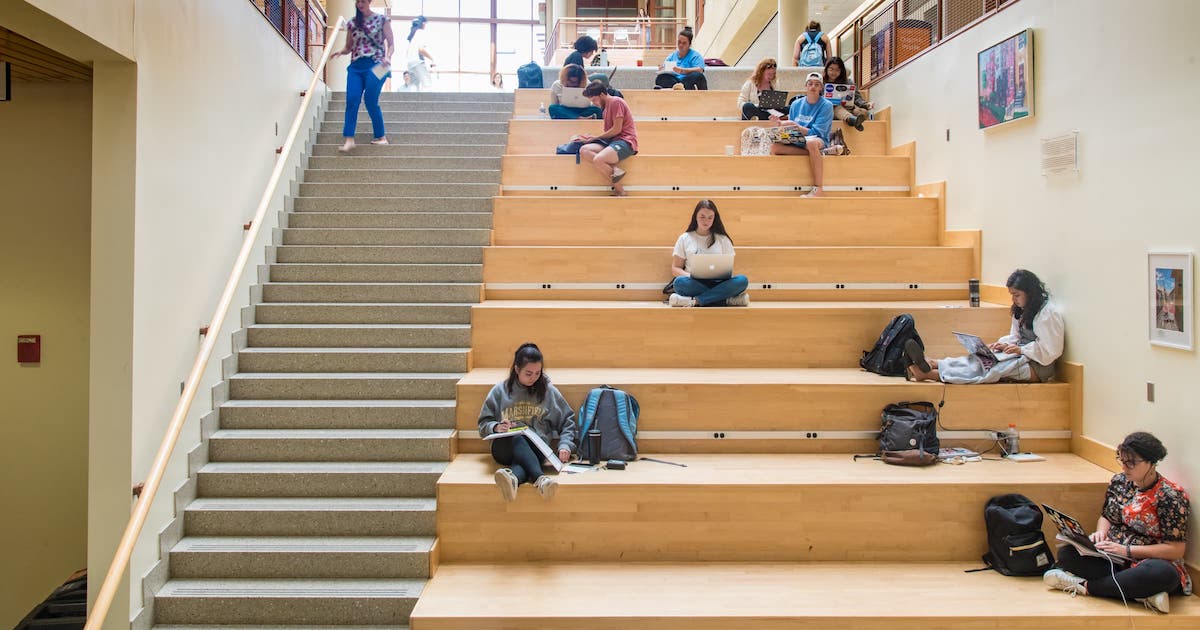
(361, 80)
(558, 111)
(518, 454)
(709, 292)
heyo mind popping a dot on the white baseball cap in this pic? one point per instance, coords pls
(814, 75)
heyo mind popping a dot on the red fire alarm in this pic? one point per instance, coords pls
(29, 348)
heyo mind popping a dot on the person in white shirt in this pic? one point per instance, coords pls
(1033, 344)
(705, 235)
(418, 54)
(762, 79)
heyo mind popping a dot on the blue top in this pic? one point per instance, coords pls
(817, 118)
(691, 60)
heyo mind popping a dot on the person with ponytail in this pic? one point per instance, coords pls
(1143, 526)
(369, 42)
(705, 235)
(527, 399)
(1026, 354)
(418, 54)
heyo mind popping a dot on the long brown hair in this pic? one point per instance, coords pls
(760, 70)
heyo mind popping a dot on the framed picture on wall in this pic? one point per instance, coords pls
(1171, 319)
(1005, 80)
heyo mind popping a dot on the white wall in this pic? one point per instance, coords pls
(45, 176)
(1086, 235)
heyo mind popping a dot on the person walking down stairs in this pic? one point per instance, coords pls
(369, 40)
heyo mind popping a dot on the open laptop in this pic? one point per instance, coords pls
(839, 91)
(773, 99)
(573, 97)
(976, 346)
(711, 266)
(1070, 530)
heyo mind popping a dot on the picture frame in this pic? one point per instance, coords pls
(1170, 299)
(1005, 80)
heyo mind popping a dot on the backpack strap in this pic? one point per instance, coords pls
(588, 415)
(623, 408)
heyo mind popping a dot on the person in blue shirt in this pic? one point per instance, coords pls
(684, 65)
(810, 117)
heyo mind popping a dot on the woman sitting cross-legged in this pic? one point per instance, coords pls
(1145, 518)
(705, 235)
(1026, 354)
(684, 66)
(855, 111)
(526, 399)
(762, 79)
(574, 105)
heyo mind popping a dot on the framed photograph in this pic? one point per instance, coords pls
(1171, 303)
(1006, 80)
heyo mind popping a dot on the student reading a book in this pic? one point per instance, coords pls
(369, 42)
(810, 118)
(1145, 517)
(527, 401)
(618, 140)
(763, 78)
(1033, 344)
(852, 112)
(684, 65)
(705, 235)
(571, 76)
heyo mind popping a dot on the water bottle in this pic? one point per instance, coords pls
(593, 436)
(1012, 441)
(542, 108)
(973, 288)
(604, 57)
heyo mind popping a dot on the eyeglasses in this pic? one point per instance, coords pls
(1129, 462)
(768, 66)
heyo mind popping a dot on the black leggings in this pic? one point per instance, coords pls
(1149, 577)
(516, 453)
(690, 81)
(750, 111)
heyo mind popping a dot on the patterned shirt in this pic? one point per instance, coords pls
(367, 41)
(1148, 517)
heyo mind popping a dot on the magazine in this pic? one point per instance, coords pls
(536, 440)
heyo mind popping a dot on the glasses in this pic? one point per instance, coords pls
(768, 66)
(1129, 462)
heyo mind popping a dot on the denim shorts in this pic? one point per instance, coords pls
(622, 148)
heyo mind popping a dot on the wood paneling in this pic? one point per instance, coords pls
(32, 61)
(713, 104)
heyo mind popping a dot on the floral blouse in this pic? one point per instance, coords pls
(1148, 517)
(367, 41)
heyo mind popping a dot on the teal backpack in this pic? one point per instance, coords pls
(615, 414)
(811, 54)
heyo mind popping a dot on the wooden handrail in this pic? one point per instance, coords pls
(141, 509)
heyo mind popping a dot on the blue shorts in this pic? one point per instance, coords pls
(622, 148)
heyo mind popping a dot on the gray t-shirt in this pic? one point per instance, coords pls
(551, 418)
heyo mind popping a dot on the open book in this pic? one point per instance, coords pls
(536, 440)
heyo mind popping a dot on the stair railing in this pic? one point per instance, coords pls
(120, 562)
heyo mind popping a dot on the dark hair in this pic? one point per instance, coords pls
(1035, 295)
(417, 23)
(526, 354)
(573, 73)
(585, 45)
(813, 26)
(687, 32)
(1144, 445)
(836, 61)
(595, 88)
(360, 19)
(717, 227)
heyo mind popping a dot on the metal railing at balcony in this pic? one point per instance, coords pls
(614, 33)
(300, 22)
(892, 32)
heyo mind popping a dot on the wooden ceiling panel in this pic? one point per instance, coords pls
(32, 61)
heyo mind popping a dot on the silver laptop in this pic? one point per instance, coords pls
(573, 97)
(711, 266)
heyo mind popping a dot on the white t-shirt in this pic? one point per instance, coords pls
(690, 243)
(414, 47)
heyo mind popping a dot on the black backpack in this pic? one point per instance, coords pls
(529, 76)
(1016, 545)
(887, 357)
(908, 436)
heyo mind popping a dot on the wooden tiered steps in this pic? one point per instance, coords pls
(673, 104)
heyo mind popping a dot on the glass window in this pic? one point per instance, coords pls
(438, 8)
(515, 9)
(514, 47)
(406, 7)
(478, 8)
(441, 40)
(475, 48)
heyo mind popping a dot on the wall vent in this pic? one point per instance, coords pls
(1060, 154)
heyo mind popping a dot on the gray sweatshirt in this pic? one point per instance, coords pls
(552, 419)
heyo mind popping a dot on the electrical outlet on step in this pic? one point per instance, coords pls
(1149, 392)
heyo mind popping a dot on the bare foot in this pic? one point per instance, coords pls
(347, 147)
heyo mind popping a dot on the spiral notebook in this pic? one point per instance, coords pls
(536, 440)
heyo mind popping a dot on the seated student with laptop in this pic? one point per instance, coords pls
(809, 119)
(702, 263)
(1026, 354)
(1145, 518)
(758, 88)
(566, 95)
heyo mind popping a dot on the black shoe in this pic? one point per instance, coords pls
(916, 355)
(856, 122)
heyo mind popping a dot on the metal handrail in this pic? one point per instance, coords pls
(607, 28)
(133, 529)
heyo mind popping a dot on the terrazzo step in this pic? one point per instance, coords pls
(422, 145)
(301, 557)
(359, 335)
(503, 98)
(372, 292)
(383, 272)
(330, 445)
(402, 127)
(488, 143)
(425, 220)
(319, 479)
(324, 516)
(343, 386)
(337, 414)
(400, 313)
(450, 175)
(478, 237)
(457, 105)
(425, 115)
(367, 359)
(402, 204)
(279, 601)
(294, 627)
(393, 254)
(354, 161)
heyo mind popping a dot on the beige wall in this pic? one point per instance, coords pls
(1086, 234)
(729, 38)
(45, 174)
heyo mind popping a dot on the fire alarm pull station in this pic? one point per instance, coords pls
(29, 348)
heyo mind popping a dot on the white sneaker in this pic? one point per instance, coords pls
(741, 299)
(546, 486)
(507, 482)
(1063, 581)
(1158, 603)
(679, 300)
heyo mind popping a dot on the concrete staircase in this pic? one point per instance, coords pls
(316, 506)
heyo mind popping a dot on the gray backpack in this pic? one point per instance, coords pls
(615, 414)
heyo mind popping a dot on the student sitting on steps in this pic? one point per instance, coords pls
(684, 66)
(570, 76)
(763, 78)
(853, 112)
(705, 235)
(1145, 517)
(1033, 344)
(811, 116)
(526, 398)
(618, 140)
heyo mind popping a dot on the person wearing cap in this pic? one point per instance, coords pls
(418, 54)
(618, 140)
(812, 116)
